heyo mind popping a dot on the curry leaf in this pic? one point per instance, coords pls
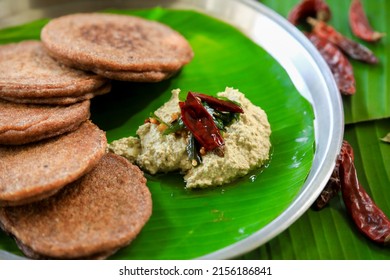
(193, 151)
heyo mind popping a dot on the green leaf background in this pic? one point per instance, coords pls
(188, 224)
(372, 100)
(329, 233)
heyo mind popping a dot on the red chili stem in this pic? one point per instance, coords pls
(351, 48)
(368, 217)
(309, 8)
(218, 104)
(360, 25)
(200, 123)
(338, 64)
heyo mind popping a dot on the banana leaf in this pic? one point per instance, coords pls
(371, 100)
(330, 233)
(188, 224)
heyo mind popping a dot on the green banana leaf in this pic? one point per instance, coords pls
(371, 100)
(330, 233)
(188, 224)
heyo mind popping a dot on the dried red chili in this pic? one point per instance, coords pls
(331, 189)
(359, 24)
(338, 63)
(333, 186)
(368, 217)
(200, 123)
(309, 8)
(219, 104)
(348, 46)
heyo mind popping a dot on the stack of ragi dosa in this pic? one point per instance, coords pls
(62, 196)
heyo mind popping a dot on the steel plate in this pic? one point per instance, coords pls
(306, 68)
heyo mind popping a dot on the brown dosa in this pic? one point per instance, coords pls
(27, 71)
(22, 123)
(111, 45)
(90, 218)
(34, 171)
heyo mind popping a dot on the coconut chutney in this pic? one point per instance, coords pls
(247, 145)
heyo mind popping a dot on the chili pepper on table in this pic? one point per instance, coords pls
(314, 8)
(331, 189)
(200, 123)
(338, 63)
(333, 186)
(368, 217)
(359, 24)
(348, 46)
